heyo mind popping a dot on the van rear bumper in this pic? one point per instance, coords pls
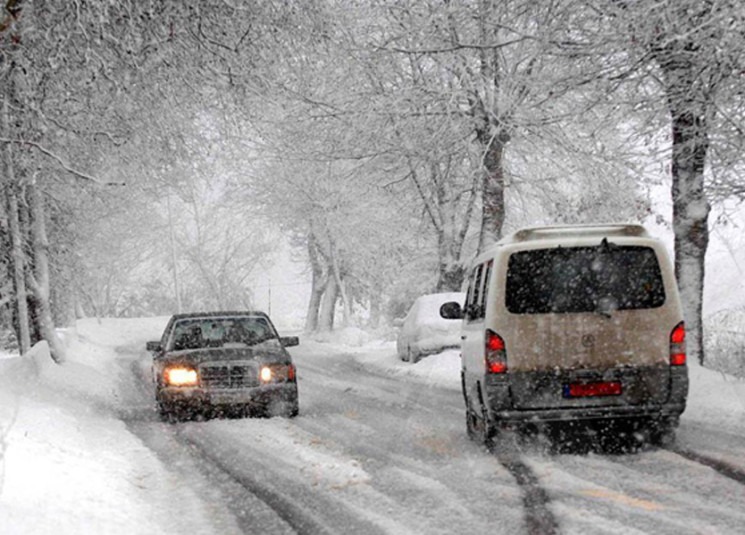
(498, 400)
(668, 411)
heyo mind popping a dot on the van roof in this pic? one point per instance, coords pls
(575, 231)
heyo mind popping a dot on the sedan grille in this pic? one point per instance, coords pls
(229, 376)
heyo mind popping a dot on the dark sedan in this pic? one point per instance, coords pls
(222, 361)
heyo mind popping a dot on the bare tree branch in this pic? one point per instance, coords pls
(60, 161)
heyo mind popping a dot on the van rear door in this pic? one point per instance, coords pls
(587, 326)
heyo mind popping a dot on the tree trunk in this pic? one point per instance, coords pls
(688, 98)
(375, 310)
(328, 305)
(690, 218)
(492, 218)
(317, 285)
(40, 279)
(491, 133)
(18, 258)
(340, 286)
(450, 270)
(18, 261)
(174, 263)
(450, 275)
(63, 311)
(451, 235)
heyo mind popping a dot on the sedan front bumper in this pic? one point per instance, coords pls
(201, 397)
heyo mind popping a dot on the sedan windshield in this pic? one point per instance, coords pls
(200, 333)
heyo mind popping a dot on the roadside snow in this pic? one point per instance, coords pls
(67, 464)
(440, 369)
(715, 398)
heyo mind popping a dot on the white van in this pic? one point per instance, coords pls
(573, 323)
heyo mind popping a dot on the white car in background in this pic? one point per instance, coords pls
(424, 331)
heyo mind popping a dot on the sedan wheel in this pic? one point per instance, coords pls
(285, 408)
(294, 410)
(168, 413)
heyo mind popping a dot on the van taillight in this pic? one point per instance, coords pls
(496, 356)
(678, 345)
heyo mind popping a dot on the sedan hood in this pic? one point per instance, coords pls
(265, 352)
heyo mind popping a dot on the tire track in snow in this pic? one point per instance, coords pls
(285, 508)
(539, 520)
(239, 488)
(723, 468)
(218, 489)
(537, 516)
(263, 486)
(179, 454)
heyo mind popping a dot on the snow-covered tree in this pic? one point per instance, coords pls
(690, 52)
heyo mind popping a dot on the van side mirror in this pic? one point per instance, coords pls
(451, 311)
(153, 347)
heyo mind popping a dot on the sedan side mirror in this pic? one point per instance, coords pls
(451, 311)
(153, 347)
(289, 341)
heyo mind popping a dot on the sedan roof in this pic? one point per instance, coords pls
(221, 314)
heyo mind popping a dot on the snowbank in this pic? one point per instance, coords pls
(348, 336)
(68, 465)
(440, 369)
(715, 398)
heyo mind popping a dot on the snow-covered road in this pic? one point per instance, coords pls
(368, 454)
(376, 453)
(379, 447)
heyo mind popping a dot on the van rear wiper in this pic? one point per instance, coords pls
(606, 306)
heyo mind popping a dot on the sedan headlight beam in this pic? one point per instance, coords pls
(277, 373)
(180, 376)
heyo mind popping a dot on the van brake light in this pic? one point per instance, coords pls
(678, 345)
(495, 354)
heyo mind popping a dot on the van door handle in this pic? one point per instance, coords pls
(462, 337)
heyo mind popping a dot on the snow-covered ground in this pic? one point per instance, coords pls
(70, 464)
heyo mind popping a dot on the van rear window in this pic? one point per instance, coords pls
(583, 279)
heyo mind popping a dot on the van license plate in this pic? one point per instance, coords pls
(601, 388)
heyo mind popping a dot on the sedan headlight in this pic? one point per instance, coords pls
(180, 376)
(266, 374)
(277, 373)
